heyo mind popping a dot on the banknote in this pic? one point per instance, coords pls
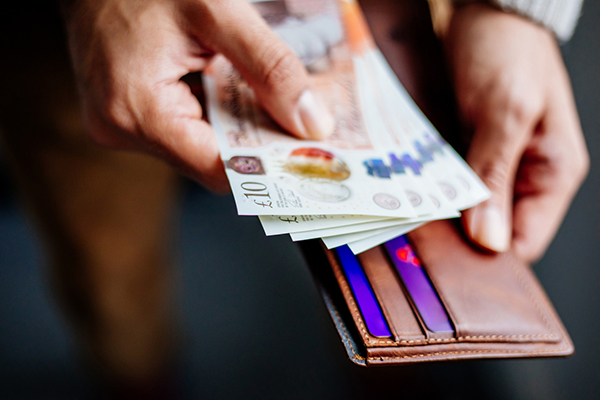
(282, 224)
(369, 226)
(365, 244)
(385, 169)
(345, 230)
(272, 173)
(410, 140)
(340, 240)
(438, 160)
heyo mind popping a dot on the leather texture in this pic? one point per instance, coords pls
(495, 302)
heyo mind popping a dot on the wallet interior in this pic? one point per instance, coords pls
(496, 305)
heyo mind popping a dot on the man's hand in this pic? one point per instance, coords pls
(514, 92)
(129, 57)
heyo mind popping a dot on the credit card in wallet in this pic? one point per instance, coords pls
(418, 285)
(363, 293)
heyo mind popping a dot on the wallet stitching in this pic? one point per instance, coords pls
(372, 341)
(358, 317)
(345, 332)
(442, 353)
(354, 308)
(533, 299)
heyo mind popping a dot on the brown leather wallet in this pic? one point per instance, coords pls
(495, 303)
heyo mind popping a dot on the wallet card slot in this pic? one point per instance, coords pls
(544, 337)
(487, 296)
(366, 301)
(402, 320)
(368, 339)
(419, 289)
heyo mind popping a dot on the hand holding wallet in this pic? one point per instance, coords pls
(495, 305)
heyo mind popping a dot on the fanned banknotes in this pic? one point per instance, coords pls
(385, 169)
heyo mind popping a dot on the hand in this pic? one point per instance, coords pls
(129, 57)
(514, 92)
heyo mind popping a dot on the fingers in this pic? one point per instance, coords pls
(132, 95)
(166, 123)
(173, 127)
(280, 81)
(512, 87)
(553, 167)
(533, 163)
(537, 218)
(501, 134)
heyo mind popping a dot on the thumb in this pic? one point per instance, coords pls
(278, 77)
(495, 154)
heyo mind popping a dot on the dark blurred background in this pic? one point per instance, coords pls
(253, 325)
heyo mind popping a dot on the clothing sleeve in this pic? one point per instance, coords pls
(560, 16)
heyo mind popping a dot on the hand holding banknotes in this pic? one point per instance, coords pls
(511, 84)
(129, 57)
(514, 92)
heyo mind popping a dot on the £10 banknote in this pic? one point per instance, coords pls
(384, 169)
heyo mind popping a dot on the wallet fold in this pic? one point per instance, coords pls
(495, 303)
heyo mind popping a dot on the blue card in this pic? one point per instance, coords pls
(363, 293)
(418, 285)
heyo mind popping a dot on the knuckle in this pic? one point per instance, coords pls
(115, 115)
(124, 113)
(510, 98)
(583, 167)
(103, 137)
(572, 159)
(578, 166)
(521, 110)
(565, 169)
(109, 123)
(495, 172)
(283, 69)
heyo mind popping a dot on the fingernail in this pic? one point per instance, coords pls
(489, 228)
(316, 120)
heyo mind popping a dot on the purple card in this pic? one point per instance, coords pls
(363, 293)
(418, 285)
